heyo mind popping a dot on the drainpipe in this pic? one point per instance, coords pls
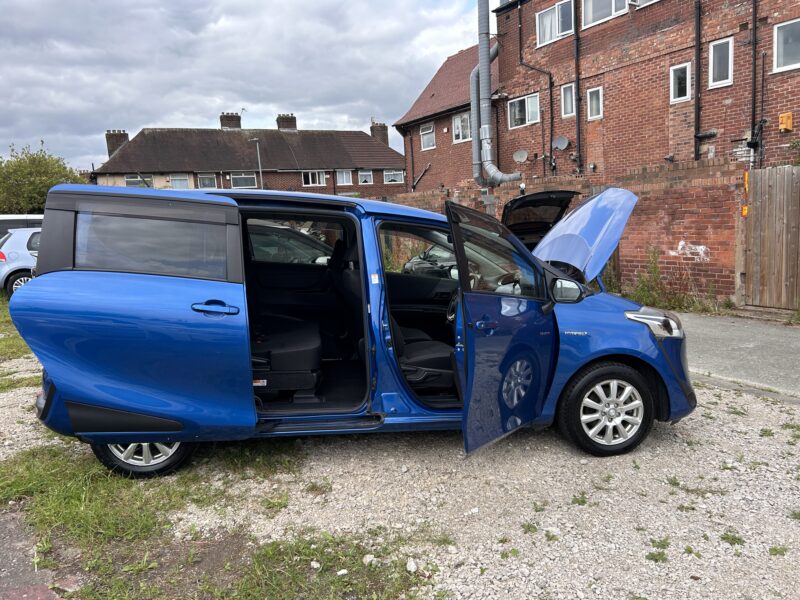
(578, 96)
(549, 85)
(411, 151)
(475, 117)
(494, 175)
(698, 67)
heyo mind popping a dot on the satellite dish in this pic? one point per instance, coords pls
(560, 143)
(520, 156)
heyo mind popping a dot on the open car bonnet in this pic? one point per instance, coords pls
(587, 237)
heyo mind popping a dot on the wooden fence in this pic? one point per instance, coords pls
(772, 238)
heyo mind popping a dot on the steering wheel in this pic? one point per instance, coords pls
(452, 307)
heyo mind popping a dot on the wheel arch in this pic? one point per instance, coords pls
(654, 379)
(10, 274)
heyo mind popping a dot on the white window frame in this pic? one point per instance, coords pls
(775, 67)
(395, 171)
(672, 98)
(645, 3)
(430, 130)
(524, 99)
(348, 178)
(140, 179)
(614, 14)
(458, 119)
(363, 172)
(718, 84)
(179, 177)
(201, 175)
(565, 115)
(589, 117)
(560, 35)
(244, 174)
(319, 175)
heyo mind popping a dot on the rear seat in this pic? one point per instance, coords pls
(287, 353)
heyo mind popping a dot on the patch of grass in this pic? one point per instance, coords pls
(530, 527)
(275, 504)
(737, 410)
(636, 465)
(319, 488)
(732, 537)
(8, 383)
(695, 491)
(11, 344)
(503, 539)
(657, 556)
(778, 550)
(795, 514)
(692, 552)
(550, 536)
(686, 507)
(580, 499)
(252, 459)
(660, 544)
(766, 432)
(539, 506)
(513, 553)
(673, 481)
(282, 569)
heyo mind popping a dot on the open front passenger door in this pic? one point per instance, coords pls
(507, 340)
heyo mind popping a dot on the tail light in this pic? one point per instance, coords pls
(2, 257)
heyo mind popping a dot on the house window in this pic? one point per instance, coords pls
(523, 111)
(720, 57)
(365, 177)
(554, 23)
(243, 180)
(427, 136)
(568, 100)
(786, 51)
(597, 11)
(680, 83)
(344, 178)
(394, 176)
(179, 181)
(139, 180)
(594, 106)
(206, 180)
(313, 178)
(461, 128)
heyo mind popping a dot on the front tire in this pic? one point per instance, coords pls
(147, 459)
(607, 409)
(16, 281)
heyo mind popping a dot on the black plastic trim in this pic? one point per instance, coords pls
(49, 394)
(86, 418)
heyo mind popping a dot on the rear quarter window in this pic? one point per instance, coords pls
(33, 242)
(154, 246)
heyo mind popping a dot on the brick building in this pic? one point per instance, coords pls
(332, 162)
(627, 89)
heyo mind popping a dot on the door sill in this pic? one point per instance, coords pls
(267, 424)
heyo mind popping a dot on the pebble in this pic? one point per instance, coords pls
(368, 559)
(411, 566)
(315, 565)
(341, 573)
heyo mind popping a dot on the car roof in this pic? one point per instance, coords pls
(230, 197)
(25, 230)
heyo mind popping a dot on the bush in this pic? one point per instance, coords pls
(26, 176)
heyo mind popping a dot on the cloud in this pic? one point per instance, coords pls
(71, 70)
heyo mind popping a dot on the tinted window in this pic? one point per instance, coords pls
(293, 240)
(33, 242)
(158, 246)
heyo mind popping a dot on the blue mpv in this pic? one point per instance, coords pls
(168, 318)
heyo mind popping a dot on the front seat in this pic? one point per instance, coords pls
(287, 353)
(426, 364)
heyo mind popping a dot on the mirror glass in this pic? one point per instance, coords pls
(453, 272)
(565, 290)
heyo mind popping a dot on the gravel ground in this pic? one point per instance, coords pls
(729, 467)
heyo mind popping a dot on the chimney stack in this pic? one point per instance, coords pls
(230, 120)
(287, 122)
(380, 132)
(115, 139)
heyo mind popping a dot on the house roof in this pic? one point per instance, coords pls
(199, 150)
(449, 88)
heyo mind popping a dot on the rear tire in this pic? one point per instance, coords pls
(141, 460)
(16, 281)
(607, 409)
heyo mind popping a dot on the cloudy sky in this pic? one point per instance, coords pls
(71, 69)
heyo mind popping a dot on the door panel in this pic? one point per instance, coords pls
(506, 334)
(421, 302)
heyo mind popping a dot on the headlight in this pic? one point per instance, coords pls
(662, 323)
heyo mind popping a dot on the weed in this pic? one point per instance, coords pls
(319, 488)
(539, 506)
(686, 507)
(737, 410)
(732, 538)
(276, 503)
(673, 481)
(140, 566)
(530, 527)
(443, 539)
(777, 550)
(766, 432)
(550, 536)
(503, 540)
(636, 465)
(795, 514)
(580, 499)
(513, 553)
(657, 556)
(661, 544)
(692, 552)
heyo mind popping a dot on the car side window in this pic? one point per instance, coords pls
(153, 246)
(33, 242)
(417, 251)
(495, 264)
(293, 241)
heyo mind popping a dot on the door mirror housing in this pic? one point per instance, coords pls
(567, 291)
(453, 270)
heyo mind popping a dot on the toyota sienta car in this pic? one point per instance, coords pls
(168, 318)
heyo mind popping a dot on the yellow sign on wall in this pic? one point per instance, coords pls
(785, 122)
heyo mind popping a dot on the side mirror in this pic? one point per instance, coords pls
(566, 290)
(453, 271)
(322, 260)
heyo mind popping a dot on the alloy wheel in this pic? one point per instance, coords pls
(611, 412)
(143, 454)
(19, 283)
